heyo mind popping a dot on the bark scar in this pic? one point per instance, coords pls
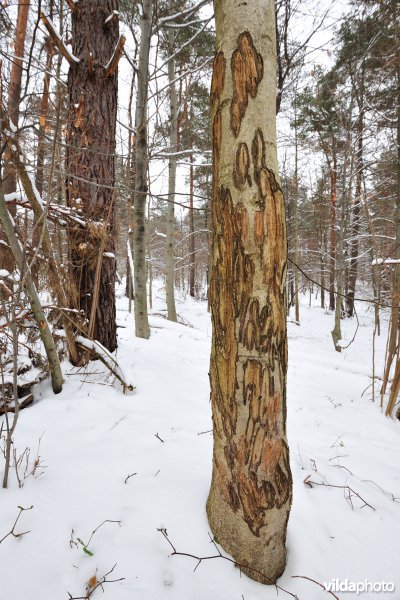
(247, 72)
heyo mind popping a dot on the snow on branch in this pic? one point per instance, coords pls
(183, 13)
(181, 153)
(114, 15)
(58, 42)
(116, 55)
(385, 261)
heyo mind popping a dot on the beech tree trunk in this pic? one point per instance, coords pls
(90, 164)
(142, 328)
(251, 490)
(173, 142)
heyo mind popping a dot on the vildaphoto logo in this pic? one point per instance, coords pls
(359, 587)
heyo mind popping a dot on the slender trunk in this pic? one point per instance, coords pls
(332, 258)
(44, 107)
(353, 267)
(14, 99)
(173, 142)
(323, 254)
(131, 187)
(142, 328)
(394, 336)
(296, 223)
(36, 307)
(90, 162)
(251, 489)
(192, 246)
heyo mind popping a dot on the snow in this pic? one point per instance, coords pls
(385, 261)
(114, 13)
(93, 437)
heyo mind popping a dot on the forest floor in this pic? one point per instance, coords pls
(144, 459)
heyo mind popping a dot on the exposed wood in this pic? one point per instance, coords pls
(115, 58)
(57, 41)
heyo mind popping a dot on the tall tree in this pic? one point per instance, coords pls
(90, 161)
(173, 141)
(142, 328)
(13, 109)
(251, 490)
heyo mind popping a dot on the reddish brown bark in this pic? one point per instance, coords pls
(90, 163)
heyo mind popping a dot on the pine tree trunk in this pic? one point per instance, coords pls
(90, 163)
(173, 142)
(251, 489)
(142, 328)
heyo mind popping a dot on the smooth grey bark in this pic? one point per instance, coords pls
(40, 317)
(173, 142)
(142, 328)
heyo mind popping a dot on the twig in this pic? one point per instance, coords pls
(129, 476)
(90, 589)
(158, 437)
(12, 530)
(308, 482)
(219, 554)
(317, 583)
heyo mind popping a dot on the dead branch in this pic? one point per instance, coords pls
(116, 55)
(72, 5)
(57, 41)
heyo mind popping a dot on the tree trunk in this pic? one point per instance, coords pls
(44, 107)
(36, 307)
(332, 258)
(296, 223)
(192, 246)
(142, 328)
(394, 334)
(90, 162)
(173, 142)
(13, 102)
(251, 489)
(356, 210)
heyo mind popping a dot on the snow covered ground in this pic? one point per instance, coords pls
(93, 437)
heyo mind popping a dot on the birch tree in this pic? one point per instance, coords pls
(251, 490)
